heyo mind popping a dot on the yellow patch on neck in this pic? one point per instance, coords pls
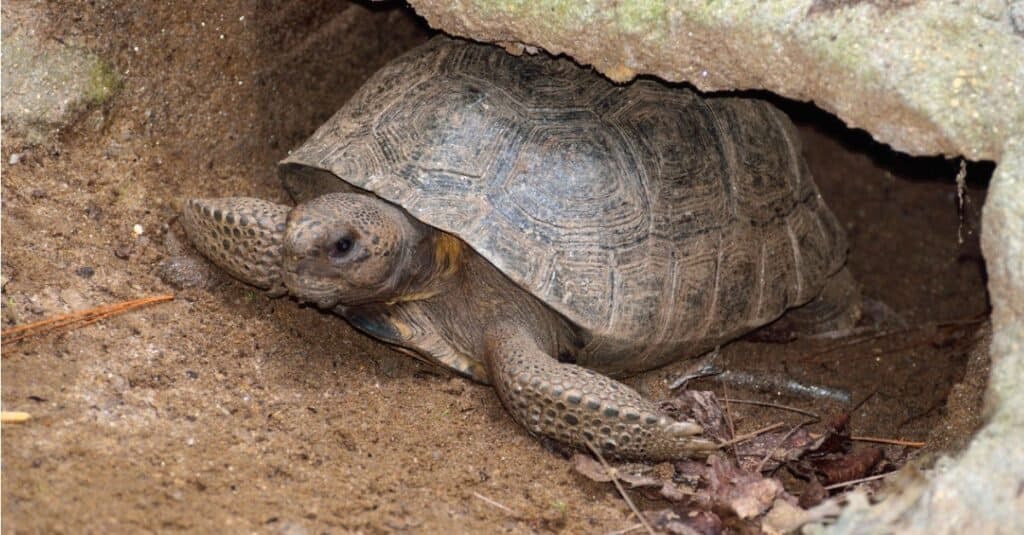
(447, 256)
(447, 253)
(415, 296)
(404, 330)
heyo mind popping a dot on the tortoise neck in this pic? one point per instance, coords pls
(463, 296)
(432, 266)
(479, 298)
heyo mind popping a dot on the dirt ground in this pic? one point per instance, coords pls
(224, 410)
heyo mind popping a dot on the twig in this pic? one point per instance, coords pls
(961, 192)
(623, 531)
(857, 481)
(618, 485)
(773, 405)
(858, 340)
(496, 504)
(893, 441)
(14, 417)
(750, 435)
(703, 367)
(81, 317)
(861, 403)
(728, 418)
(782, 441)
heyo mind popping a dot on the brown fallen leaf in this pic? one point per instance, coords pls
(722, 494)
(753, 498)
(854, 465)
(691, 471)
(653, 487)
(701, 407)
(746, 494)
(837, 438)
(813, 494)
(593, 470)
(785, 517)
(694, 522)
(777, 447)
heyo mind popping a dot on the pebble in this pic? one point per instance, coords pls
(33, 305)
(289, 527)
(1017, 17)
(94, 211)
(173, 245)
(73, 299)
(123, 251)
(15, 158)
(86, 272)
(137, 229)
(184, 272)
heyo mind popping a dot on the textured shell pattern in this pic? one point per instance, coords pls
(660, 222)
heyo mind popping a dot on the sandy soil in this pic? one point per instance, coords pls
(226, 409)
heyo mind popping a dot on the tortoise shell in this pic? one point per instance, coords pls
(660, 222)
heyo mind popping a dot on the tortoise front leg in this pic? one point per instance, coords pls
(242, 236)
(578, 406)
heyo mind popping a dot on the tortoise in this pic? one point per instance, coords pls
(529, 224)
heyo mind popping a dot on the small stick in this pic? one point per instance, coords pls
(14, 417)
(855, 340)
(83, 317)
(618, 485)
(623, 531)
(728, 418)
(961, 192)
(750, 435)
(773, 405)
(782, 441)
(856, 481)
(496, 504)
(893, 441)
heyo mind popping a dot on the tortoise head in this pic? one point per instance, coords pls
(341, 248)
(351, 249)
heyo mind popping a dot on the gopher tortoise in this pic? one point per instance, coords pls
(531, 225)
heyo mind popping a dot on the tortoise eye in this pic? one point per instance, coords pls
(340, 248)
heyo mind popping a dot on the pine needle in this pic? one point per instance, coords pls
(497, 504)
(613, 475)
(75, 320)
(893, 441)
(747, 436)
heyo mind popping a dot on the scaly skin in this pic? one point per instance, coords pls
(409, 283)
(581, 407)
(242, 236)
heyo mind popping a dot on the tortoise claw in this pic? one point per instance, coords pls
(684, 429)
(242, 236)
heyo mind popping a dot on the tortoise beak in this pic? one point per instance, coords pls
(323, 296)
